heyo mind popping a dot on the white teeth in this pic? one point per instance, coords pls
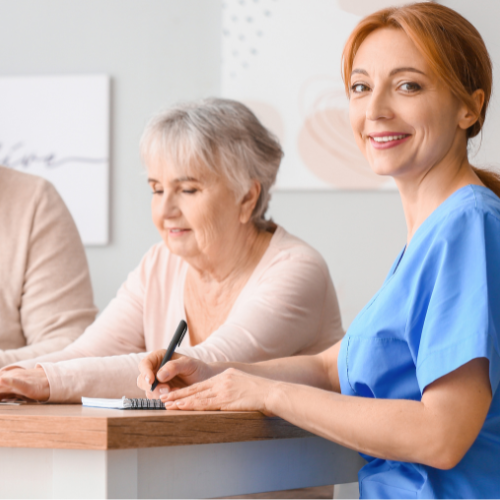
(388, 138)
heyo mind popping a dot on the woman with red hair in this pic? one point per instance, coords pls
(414, 384)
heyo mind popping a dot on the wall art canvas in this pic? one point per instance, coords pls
(57, 127)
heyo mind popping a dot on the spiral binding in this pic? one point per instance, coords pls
(145, 404)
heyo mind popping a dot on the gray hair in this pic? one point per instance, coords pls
(222, 135)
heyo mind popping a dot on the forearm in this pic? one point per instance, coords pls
(103, 377)
(306, 370)
(319, 370)
(29, 352)
(400, 430)
(71, 351)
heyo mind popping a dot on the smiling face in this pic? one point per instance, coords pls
(404, 119)
(197, 215)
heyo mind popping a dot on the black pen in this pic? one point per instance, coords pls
(174, 343)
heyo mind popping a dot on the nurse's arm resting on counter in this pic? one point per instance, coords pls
(436, 431)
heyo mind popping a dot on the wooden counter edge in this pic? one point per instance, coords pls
(200, 429)
(110, 433)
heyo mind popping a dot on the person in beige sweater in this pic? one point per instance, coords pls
(46, 297)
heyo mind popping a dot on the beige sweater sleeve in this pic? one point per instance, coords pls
(56, 302)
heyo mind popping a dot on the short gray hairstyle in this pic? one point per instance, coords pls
(222, 135)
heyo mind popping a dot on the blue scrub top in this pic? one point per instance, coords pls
(438, 309)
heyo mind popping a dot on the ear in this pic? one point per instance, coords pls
(249, 202)
(468, 116)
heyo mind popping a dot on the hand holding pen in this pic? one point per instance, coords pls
(174, 343)
(182, 370)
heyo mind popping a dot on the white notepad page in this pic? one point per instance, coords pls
(113, 404)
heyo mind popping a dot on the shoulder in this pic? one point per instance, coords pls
(20, 187)
(30, 205)
(472, 214)
(462, 242)
(30, 194)
(290, 253)
(474, 211)
(486, 202)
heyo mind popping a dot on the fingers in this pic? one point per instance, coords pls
(230, 390)
(32, 384)
(5, 387)
(188, 391)
(201, 401)
(12, 383)
(178, 365)
(160, 389)
(149, 366)
(14, 387)
(6, 377)
(142, 384)
(7, 382)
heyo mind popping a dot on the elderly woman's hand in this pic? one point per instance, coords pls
(181, 371)
(230, 390)
(28, 384)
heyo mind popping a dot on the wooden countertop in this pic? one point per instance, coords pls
(76, 427)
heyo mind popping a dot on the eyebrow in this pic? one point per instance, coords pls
(406, 70)
(359, 71)
(179, 179)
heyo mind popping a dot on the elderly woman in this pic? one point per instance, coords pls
(415, 383)
(248, 290)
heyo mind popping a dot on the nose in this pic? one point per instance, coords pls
(379, 106)
(168, 206)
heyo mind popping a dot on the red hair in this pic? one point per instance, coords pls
(453, 48)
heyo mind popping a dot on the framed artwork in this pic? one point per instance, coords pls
(57, 127)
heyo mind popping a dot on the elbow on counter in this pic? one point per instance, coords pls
(446, 454)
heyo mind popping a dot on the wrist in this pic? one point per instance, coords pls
(44, 383)
(218, 367)
(274, 397)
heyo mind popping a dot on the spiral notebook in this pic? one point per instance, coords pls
(124, 403)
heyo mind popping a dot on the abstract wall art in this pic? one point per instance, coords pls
(57, 127)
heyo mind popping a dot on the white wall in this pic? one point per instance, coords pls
(161, 51)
